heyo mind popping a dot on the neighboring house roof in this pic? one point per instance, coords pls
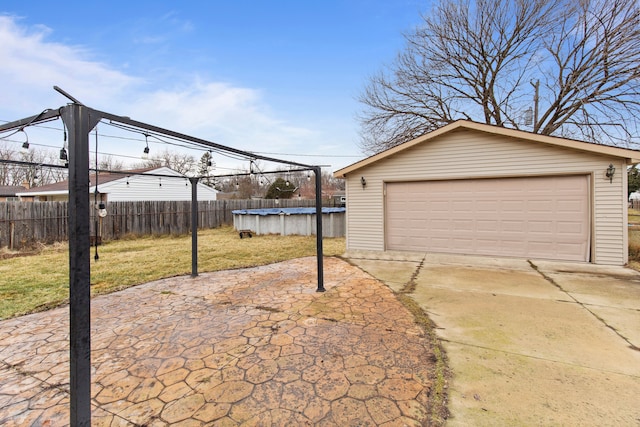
(10, 190)
(631, 156)
(114, 184)
(62, 187)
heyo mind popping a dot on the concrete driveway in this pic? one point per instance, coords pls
(528, 342)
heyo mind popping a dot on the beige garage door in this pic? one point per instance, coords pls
(539, 217)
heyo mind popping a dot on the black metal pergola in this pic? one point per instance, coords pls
(79, 120)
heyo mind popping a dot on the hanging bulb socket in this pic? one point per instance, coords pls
(145, 151)
(102, 210)
(209, 162)
(25, 144)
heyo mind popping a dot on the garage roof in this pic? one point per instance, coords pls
(631, 156)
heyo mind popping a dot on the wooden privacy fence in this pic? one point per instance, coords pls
(26, 224)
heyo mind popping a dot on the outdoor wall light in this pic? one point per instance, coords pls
(63, 154)
(363, 182)
(611, 170)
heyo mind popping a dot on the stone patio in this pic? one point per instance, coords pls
(255, 346)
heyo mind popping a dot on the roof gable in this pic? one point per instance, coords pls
(631, 156)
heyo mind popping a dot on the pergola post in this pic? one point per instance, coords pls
(78, 120)
(194, 226)
(319, 254)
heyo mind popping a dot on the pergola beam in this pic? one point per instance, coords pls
(177, 135)
(45, 116)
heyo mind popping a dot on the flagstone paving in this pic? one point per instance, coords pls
(247, 347)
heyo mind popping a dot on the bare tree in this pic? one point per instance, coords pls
(31, 169)
(180, 162)
(486, 60)
(108, 162)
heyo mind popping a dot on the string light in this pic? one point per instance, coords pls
(102, 210)
(63, 154)
(145, 152)
(100, 207)
(25, 144)
(254, 169)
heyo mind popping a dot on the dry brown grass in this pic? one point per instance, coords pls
(37, 282)
(634, 239)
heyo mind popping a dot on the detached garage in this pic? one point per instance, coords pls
(471, 188)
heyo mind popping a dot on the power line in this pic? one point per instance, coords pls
(307, 155)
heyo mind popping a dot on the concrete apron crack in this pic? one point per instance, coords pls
(410, 286)
(581, 304)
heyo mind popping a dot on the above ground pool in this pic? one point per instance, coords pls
(287, 221)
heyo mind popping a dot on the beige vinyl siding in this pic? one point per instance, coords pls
(359, 227)
(467, 154)
(611, 219)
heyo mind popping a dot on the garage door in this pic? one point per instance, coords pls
(536, 217)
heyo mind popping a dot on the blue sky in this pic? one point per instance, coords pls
(277, 77)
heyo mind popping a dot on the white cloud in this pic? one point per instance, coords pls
(221, 112)
(31, 66)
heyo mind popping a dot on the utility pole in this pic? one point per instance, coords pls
(536, 86)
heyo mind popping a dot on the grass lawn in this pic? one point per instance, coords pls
(37, 282)
(634, 239)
